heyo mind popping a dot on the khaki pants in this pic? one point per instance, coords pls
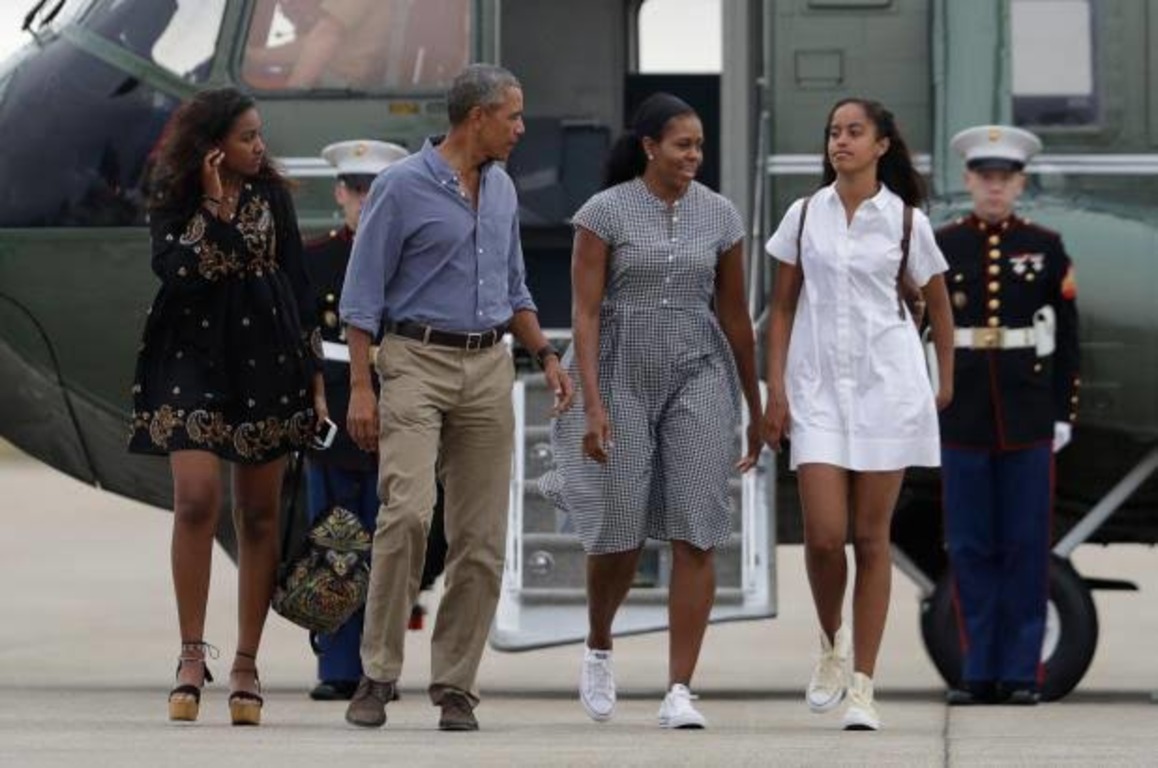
(451, 409)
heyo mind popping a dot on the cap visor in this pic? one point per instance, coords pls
(994, 164)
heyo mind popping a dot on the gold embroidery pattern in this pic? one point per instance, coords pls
(250, 440)
(194, 230)
(214, 262)
(164, 421)
(255, 223)
(208, 428)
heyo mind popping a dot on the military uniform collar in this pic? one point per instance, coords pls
(976, 222)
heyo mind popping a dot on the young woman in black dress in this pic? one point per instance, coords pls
(227, 371)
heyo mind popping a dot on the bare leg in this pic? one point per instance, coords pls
(609, 578)
(256, 493)
(196, 504)
(874, 496)
(824, 497)
(693, 588)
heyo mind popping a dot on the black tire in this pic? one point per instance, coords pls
(1077, 620)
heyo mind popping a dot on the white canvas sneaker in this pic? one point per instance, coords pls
(677, 710)
(830, 675)
(861, 714)
(597, 685)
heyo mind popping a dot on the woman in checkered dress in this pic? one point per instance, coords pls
(650, 453)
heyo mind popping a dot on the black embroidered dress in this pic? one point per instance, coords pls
(227, 356)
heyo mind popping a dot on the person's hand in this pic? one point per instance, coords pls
(211, 174)
(362, 418)
(1063, 432)
(559, 382)
(755, 445)
(776, 421)
(944, 396)
(597, 439)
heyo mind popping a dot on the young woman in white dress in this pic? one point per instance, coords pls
(847, 380)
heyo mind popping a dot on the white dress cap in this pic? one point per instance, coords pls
(362, 157)
(1002, 147)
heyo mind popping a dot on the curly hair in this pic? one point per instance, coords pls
(200, 124)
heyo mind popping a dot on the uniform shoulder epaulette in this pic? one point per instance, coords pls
(1035, 227)
(950, 226)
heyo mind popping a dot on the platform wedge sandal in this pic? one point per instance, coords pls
(185, 699)
(244, 706)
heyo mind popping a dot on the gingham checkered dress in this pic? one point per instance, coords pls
(666, 375)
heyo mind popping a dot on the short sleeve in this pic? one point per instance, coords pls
(782, 245)
(731, 226)
(925, 258)
(598, 216)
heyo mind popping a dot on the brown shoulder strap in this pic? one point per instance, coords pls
(800, 235)
(906, 235)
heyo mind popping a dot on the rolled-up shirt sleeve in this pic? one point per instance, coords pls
(374, 259)
(517, 273)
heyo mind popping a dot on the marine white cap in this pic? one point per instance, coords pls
(362, 157)
(1000, 147)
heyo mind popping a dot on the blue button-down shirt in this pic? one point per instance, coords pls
(423, 254)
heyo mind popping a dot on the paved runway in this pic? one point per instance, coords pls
(88, 645)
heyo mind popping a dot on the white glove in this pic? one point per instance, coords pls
(1063, 432)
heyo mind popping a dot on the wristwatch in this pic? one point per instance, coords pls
(544, 352)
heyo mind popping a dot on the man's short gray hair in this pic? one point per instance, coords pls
(479, 85)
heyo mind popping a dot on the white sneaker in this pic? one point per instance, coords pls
(861, 714)
(830, 675)
(677, 710)
(597, 685)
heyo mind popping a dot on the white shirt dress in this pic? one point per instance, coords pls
(858, 391)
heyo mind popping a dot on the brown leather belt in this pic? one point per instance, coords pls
(428, 335)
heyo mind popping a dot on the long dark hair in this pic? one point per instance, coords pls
(627, 158)
(199, 124)
(895, 167)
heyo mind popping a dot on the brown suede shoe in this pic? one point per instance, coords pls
(368, 707)
(457, 712)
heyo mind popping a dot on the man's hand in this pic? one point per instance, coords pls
(362, 418)
(1063, 432)
(558, 382)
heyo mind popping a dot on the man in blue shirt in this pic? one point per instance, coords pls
(438, 269)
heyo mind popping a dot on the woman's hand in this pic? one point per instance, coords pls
(211, 174)
(755, 445)
(944, 396)
(597, 439)
(775, 425)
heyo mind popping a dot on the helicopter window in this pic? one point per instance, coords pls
(179, 35)
(407, 46)
(1054, 77)
(680, 36)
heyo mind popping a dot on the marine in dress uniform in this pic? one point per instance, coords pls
(1013, 290)
(344, 474)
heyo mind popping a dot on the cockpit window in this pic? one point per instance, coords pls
(377, 46)
(179, 35)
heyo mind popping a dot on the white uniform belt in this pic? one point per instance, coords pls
(994, 338)
(340, 353)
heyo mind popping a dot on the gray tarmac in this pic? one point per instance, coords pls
(88, 643)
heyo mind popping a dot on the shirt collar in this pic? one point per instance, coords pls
(438, 166)
(880, 201)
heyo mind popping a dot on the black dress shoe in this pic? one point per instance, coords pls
(970, 694)
(334, 690)
(1022, 696)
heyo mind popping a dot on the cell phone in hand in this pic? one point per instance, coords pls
(324, 435)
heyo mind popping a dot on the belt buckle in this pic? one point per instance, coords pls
(988, 338)
(474, 341)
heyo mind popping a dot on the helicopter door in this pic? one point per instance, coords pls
(543, 598)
